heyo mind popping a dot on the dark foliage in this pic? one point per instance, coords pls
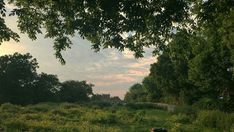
(21, 84)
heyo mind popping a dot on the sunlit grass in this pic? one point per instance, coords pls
(74, 117)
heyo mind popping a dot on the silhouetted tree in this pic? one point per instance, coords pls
(20, 83)
(46, 88)
(136, 93)
(75, 91)
(154, 94)
(17, 75)
(106, 98)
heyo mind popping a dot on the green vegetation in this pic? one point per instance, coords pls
(193, 41)
(85, 118)
(105, 22)
(192, 70)
(21, 84)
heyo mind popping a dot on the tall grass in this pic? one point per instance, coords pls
(73, 117)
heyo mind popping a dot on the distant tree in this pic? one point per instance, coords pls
(136, 93)
(115, 99)
(101, 97)
(153, 92)
(165, 77)
(20, 83)
(17, 75)
(106, 98)
(46, 88)
(75, 91)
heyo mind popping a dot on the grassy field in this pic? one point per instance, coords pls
(92, 118)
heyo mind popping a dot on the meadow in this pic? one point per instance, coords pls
(68, 117)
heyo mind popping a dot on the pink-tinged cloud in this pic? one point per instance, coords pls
(113, 56)
(142, 62)
(108, 80)
(103, 84)
(119, 78)
(139, 73)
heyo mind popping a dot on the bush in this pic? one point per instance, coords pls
(145, 106)
(139, 116)
(207, 103)
(126, 114)
(7, 107)
(68, 105)
(215, 119)
(100, 104)
(177, 127)
(180, 118)
(15, 125)
(103, 119)
(42, 107)
(188, 110)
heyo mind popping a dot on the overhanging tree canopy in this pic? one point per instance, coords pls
(121, 24)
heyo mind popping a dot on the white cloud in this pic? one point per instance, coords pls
(128, 54)
(11, 47)
(9, 6)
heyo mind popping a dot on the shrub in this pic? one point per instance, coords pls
(188, 110)
(7, 107)
(43, 107)
(59, 112)
(177, 127)
(139, 116)
(15, 125)
(100, 104)
(145, 106)
(180, 118)
(214, 119)
(126, 114)
(68, 105)
(105, 119)
(36, 117)
(207, 103)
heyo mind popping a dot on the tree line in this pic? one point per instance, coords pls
(196, 64)
(21, 84)
(193, 70)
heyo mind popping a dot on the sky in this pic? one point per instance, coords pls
(112, 72)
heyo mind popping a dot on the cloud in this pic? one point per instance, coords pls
(103, 84)
(108, 80)
(142, 62)
(140, 73)
(128, 54)
(11, 47)
(113, 56)
(10, 6)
